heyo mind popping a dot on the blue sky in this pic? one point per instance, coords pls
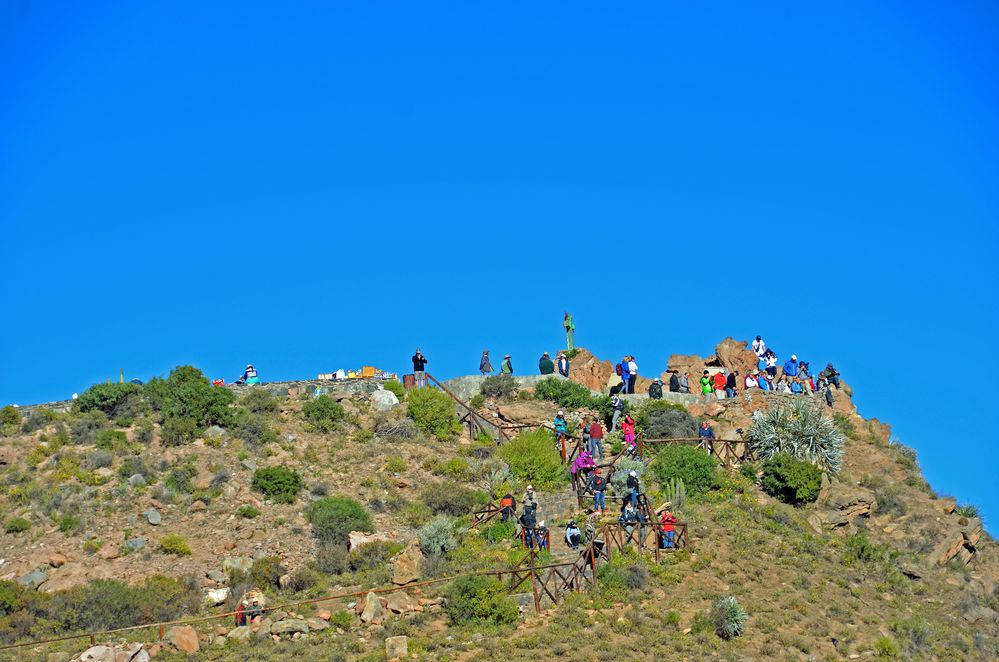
(334, 184)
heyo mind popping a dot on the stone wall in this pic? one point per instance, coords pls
(464, 388)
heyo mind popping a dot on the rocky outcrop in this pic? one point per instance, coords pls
(958, 541)
(357, 539)
(383, 400)
(840, 504)
(467, 387)
(397, 648)
(372, 611)
(184, 638)
(406, 566)
(588, 370)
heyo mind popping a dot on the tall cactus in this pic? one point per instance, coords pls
(676, 494)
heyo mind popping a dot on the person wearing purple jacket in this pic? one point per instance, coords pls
(580, 470)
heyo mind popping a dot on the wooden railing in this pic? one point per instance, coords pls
(540, 538)
(728, 451)
(486, 513)
(645, 536)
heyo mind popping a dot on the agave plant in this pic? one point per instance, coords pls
(801, 429)
(729, 617)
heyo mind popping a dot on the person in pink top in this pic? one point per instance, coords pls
(628, 428)
(580, 470)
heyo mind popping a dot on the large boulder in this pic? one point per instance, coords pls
(216, 596)
(290, 626)
(397, 648)
(383, 400)
(734, 354)
(33, 579)
(588, 370)
(406, 566)
(398, 602)
(98, 654)
(839, 505)
(373, 612)
(357, 539)
(184, 638)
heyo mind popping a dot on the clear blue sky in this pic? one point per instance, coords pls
(334, 184)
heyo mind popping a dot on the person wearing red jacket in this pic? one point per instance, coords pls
(718, 381)
(668, 522)
(596, 438)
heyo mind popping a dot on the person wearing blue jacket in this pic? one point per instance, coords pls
(791, 367)
(563, 365)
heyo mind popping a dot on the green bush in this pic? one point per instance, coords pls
(254, 429)
(331, 558)
(303, 579)
(499, 531)
(113, 440)
(659, 419)
(281, 484)
(451, 499)
(178, 431)
(791, 480)
(437, 536)
(371, 556)
(10, 596)
(748, 471)
(395, 387)
(112, 399)
(189, 404)
(498, 386)
(532, 458)
(333, 518)
(248, 511)
(799, 428)
(964, 510)
(479, 600)
(434, 412)
(175, 544)
(104, 604)
(17, 525)
(259, 401)
(37, 420)
(477, 402)
(567, 394)
(180, 478)
(729, 617)
(267, 572)
(324, 413)
(144, 432)
(10, 416)
(697, 469)
(85, 427)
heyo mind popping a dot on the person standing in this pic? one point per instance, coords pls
(719, 383)
(656, 390)
(791, 366)
(598, 484)
(674, 382)
(771, 363)
(668, 522)
(545, 365)
(569, 329)
(563, 365)
(759, 347)
(485, 367)
(707, 437)
(730, 383)
(506, 368)
(706, 385)
(634, 488)
(632, 374)
(618, 405)
(685, 383)
(420, 368)
(596, 438)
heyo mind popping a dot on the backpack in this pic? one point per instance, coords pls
(618, 370)
(619, 404)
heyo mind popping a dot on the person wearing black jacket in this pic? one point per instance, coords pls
(633, 487)
(674, 382)
(420, 368)
(730, 383)
(656, 390)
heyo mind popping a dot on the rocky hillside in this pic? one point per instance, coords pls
(144, 505)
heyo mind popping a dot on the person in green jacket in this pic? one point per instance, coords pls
(706, 386)
(545, 365)
(506, 368)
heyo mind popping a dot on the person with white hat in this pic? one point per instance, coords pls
(752, 380)
(249, 375)
(560, 426)
(506, 368)
(791, 366)
(530, 500)
(633, 487)
(563, 365)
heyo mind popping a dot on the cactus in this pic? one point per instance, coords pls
(676, 494)
(800, 429)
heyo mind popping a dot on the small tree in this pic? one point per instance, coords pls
(563, 392)
(479, 600)
(498, 386)
(333, 518)
(434, 412)
(112, 399)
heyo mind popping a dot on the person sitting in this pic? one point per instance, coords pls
(563, 365)
(573, 535)
(752, 381)
(656, 390)
(508, 507)
(668, 523)
(831, 375)
(615, 383)
(674, 381)
(796, 387)
(545, 365)
(629, 518)
(249, 375)
(707, 437)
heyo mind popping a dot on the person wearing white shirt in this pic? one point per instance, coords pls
(759, 347)
(752, 381)
(632, 374)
